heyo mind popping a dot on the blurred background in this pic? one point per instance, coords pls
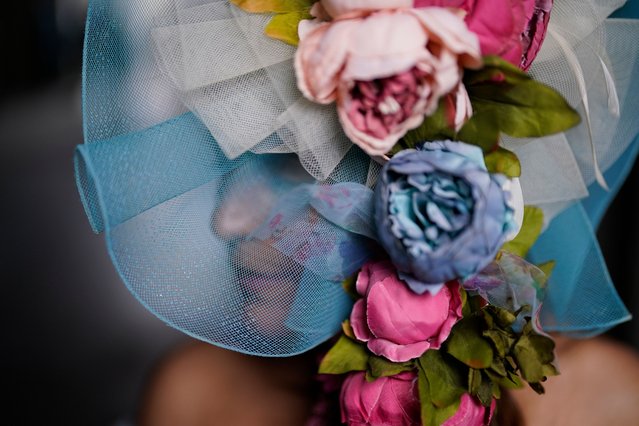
(79, 346)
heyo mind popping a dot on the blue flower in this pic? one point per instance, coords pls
(440, 214)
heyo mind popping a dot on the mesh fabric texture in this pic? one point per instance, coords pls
(247, 249)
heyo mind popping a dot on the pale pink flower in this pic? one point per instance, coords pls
(337, 8)
(386, 69)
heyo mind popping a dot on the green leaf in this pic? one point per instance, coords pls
(476, 303)
(496, 390)
(480, 386)
(495, 69)
(381, 367)
(466, 308)
(349, 286)
(445, 377)
(498, 367)
(434, 127)
(537, 387)
(530, 230)
(501, 340)
(432, 415)
(474, 381)
(534, 354)
(511, 381)
(284, 26)
(345, 356)
(467, 344)
(482, 129)
(347, 329)
(273, 6)
(485, 391)
(507, 100)
(503, 161)
(522, 110)
(503, 317)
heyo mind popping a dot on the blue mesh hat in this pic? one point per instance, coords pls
(233, 208)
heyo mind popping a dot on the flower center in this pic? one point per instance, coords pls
(379, 107)
(434, 209)
(389, 106)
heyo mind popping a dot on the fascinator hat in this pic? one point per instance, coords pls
(265, 170)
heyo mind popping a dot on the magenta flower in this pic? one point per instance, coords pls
(395, 401)
(386, 401)
(512, 29)
(471, 413)
(397, 323)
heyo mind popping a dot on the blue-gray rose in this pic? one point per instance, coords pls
(440, 214)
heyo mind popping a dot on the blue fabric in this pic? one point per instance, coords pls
(581, 298)
(154, 153)
(629, 11)
(248, 254)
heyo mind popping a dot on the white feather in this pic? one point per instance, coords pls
(573, 61)
(613, 98)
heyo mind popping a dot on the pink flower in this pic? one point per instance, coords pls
(471, 413)
(458, 108)
(385, 69)
(386, 401)
(397, 323)
(337, 8)
(512, 29)
(537, 17)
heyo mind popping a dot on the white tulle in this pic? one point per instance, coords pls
(242, 86)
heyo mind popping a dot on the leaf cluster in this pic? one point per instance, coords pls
(494, 355)
(505, 100)
(348, 355)
(482, 355)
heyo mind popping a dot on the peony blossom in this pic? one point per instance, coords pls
(385, 401)
(394, 401)
(471, 413)
(512, 29)
(385, 69)
(397, 323)
(440, 215)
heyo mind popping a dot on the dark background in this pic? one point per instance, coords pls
(77, 346)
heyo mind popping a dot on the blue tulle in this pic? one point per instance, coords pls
(153, 179)
(571, 241)
(580, 272)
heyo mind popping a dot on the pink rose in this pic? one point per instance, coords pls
(386, 401)
(397, 323)
(385, 69)
(471, 413)
(512, 29)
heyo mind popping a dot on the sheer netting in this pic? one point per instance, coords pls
(233, 208)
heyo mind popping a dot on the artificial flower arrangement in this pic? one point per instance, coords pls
(396, 110)
(449, 317)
